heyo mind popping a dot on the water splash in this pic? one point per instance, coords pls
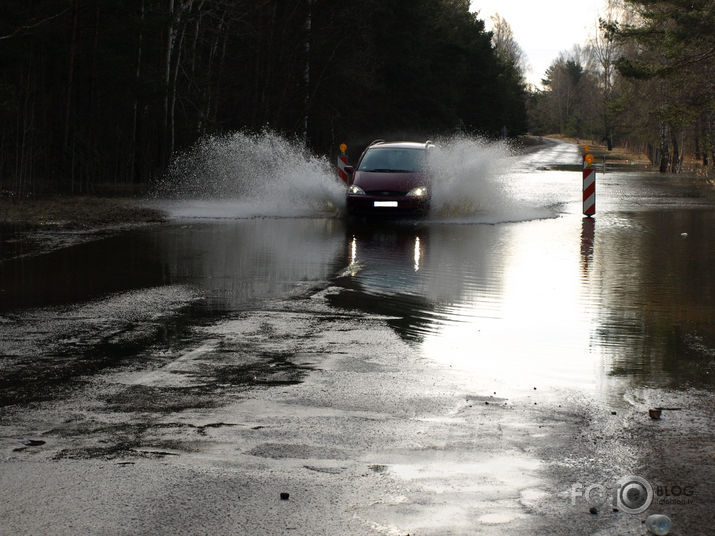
(478, 181)
(243, 175)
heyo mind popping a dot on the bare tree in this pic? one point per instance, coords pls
(505, 43)
(571, 94)
(605, 52)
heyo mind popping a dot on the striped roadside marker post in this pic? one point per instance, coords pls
(342, 162)
(589, 185)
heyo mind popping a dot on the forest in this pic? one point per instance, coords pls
(96, 93)
(99, 91)
(644, 82)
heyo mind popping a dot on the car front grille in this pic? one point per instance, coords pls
(383, 193)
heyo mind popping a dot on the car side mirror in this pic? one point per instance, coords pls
(350, 170)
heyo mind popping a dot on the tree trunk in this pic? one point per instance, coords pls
(135, 105)
(70, 69)
(708, 144)
(664, 149)
(675, 162)
(213, 83)
(306, 72)
(172, 122)
(698, 141)
(214, 87)
(170, 36)
(94, 106)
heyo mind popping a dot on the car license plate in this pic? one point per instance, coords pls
(384, 204)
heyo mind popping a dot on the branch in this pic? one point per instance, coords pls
(31, 26)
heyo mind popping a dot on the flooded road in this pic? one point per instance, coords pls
(457, 375)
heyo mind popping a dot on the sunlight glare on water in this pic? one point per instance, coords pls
(537, 330)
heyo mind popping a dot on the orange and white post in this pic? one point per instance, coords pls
(342, 162)
(589, 184)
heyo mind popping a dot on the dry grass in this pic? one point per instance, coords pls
(618, 155)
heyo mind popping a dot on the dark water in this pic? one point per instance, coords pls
(566, 300)
(232, 263)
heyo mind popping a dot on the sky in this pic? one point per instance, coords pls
(544, 28)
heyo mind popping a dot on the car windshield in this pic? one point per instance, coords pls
(393, 160)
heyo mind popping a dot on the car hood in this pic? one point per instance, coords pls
(392, 182)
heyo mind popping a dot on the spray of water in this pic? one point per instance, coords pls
(477, 181)
(243, 175)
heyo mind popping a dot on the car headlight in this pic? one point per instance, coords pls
(420, 191)
(356, 190)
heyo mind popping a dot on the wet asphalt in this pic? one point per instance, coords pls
(313, 375)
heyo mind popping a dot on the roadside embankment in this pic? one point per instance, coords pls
(36, 226)
(617, 156)
(77, 213)
(626, 159)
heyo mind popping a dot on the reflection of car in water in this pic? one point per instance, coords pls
(384, 275)
(391, 179)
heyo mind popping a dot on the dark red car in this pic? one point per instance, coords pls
(391, 179)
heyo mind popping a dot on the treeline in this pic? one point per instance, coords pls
(97, 91)
(644, 82)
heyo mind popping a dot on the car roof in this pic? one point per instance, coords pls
(379, 144)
